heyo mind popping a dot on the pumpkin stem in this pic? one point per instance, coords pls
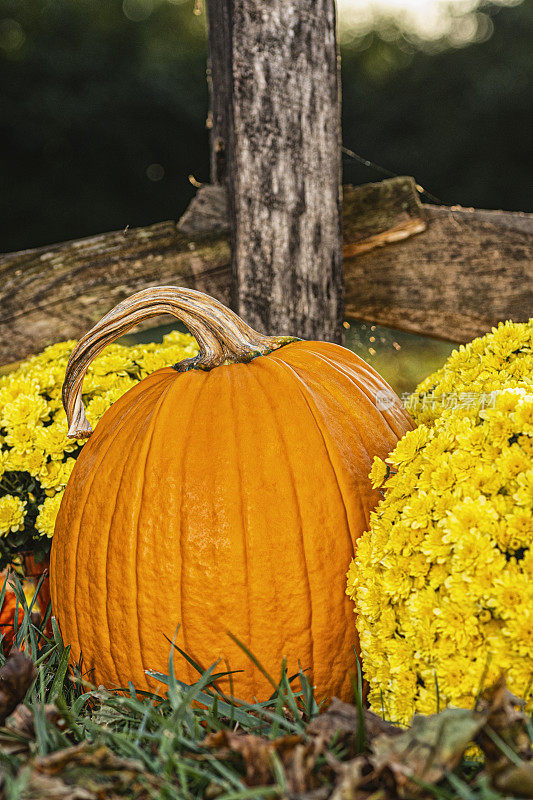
(222, 336)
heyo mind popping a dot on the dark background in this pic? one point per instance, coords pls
(103, 106)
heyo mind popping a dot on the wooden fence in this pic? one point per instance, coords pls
(445, 272)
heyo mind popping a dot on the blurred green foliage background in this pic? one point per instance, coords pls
(103, 109)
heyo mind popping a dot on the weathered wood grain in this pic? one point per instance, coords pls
(59, 292)
(377, 214)
(465, 272)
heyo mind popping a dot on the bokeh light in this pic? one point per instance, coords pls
(453, 22)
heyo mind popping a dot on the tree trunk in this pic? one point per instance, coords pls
(276, 142)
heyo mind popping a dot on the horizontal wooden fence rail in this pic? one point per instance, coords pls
(445, 272)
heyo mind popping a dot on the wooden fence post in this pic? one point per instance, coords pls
(276, 144)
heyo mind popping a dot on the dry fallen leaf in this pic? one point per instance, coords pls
(45, 786)
(16, 738)
(320, 793)
(350, 779)
(297, 757)
(516, 781)
(506, 719)
(87, 756)
(16, 677)
(341, 722)
(88, 772)
(432, 746)
(504, 734)
(255, 752)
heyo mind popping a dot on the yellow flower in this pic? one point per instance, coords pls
(526, 565)
(472, 550)
(183, 340)
(59, 351)
(525, 442)
(450, 675)
(512, 462)
(398, 650)
(408, 446)
(472, 438)
(31, 461)
(508, 400)
(434, 546)
(442, 477)
(508, 337)
(96, 409)
(12, 513)
(4, 456)
(50, 474)
(500, 427)
(519, 630)
(520, 528)
(120, 387)
(53, 439)
(97, 385)
(46, 518)
(523, 418)
(152, 361)
(438, 575)
(27, 410)
(510, 591)
(15, 384)
(524, 491)
(116, 363)
(21, 439)
(378, 473)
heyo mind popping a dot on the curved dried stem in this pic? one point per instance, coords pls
(222, 336)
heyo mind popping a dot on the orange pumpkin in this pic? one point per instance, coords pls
(7, 619)
(225, 493)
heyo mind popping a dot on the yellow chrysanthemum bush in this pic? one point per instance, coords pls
(36, 457)
(443, 579)
(473, 372)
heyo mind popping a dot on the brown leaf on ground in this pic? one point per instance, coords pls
(341, 722)
(297, 757)
(22, 719)
(351, 777)
(88, 772)
(44, 786)
(432, 746)
(516, 781)
(506, 730)
(16, 677)
(18, 736)
(320, 793)
(87, 756)
(255, 752)
(507, 720)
